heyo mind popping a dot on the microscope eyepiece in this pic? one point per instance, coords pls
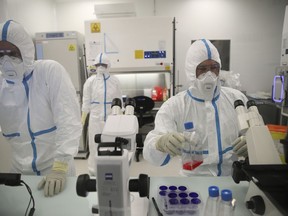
(116, 106)
(250, 103)
(130, 102)
(116, 102)
(238, 103)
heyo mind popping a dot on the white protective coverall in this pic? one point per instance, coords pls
(99, 91)
(214, 118)
(40, 116)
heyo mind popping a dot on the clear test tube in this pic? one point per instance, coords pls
(172, 195)
(183, 195)
(162, 196)
(195, 206)
(182, 188)
(193, 195)
(184, 206)
(163, 188)
(162, 200)
(173, 205)
(172, 202)
(173, 188)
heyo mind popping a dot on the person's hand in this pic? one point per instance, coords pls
(171, 143)
(54, 182)
(240, 146)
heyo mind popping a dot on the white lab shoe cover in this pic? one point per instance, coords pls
(98, 93)
(41, 116)
(215, 120)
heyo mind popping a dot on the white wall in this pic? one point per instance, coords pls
(35, 15)
(3, 10)
(253, 26)
(72, 14)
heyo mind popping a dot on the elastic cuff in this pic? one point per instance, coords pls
(60, 166)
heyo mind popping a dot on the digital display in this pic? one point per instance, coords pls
(55, 35)
(154, 54)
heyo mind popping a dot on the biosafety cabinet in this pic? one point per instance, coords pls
(141, 51)
(65, 47)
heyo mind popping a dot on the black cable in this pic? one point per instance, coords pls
(156, 207)
(32, 210)
(28, 207)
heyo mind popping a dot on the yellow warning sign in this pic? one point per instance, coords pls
(72, 47)
(95, 27)
(139, 54)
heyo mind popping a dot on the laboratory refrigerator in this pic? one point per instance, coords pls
(66, 47)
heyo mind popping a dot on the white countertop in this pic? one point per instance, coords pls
(14, 200)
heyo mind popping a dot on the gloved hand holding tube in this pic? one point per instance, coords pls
(55, 181)
(192, 151)
(171, 143)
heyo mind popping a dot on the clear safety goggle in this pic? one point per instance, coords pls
(215, 68)
(101, 64)
(11, 53)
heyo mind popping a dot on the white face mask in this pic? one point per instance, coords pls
(207, 83)
(12, 68)
(101, 70)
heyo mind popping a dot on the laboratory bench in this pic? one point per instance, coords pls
(14, 199)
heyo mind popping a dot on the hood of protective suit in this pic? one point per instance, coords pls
(14, 33)
(198, 52)
(102, 58)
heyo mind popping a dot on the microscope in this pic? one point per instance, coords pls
(116, 149)
(268, 177)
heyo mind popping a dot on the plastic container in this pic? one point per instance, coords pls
(162, 193)
(212, 202)
(225, 207)
(191, 151)
(179, 200)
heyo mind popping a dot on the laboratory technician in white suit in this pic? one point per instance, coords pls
(98, 92)
(211, 109)
(39, 112)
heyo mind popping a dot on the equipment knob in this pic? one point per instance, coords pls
(256, 204)
(84, 185)
(141, 185)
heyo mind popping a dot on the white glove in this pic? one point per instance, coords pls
(171, 143)
(240, 146)
(55, 181)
